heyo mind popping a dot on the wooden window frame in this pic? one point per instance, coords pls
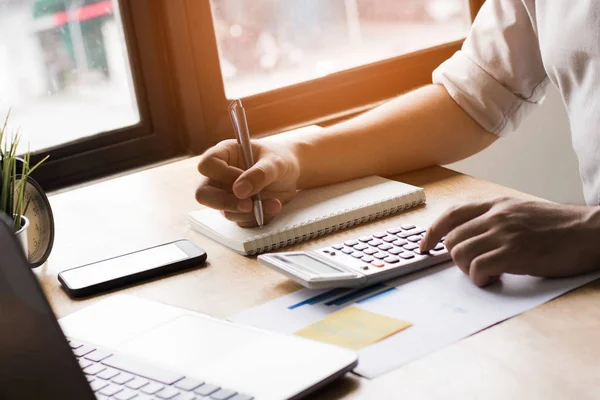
(181, 94)
(317, 101)
(158, 135)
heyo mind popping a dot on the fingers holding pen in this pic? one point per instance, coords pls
(222, 163)
(212, 196)
(271, 208)
(266, 171)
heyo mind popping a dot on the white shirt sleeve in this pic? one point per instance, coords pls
(498, 75)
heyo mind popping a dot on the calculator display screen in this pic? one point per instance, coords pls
(312, 264)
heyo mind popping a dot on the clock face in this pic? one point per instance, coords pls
(40, 234)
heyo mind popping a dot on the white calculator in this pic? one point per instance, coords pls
(359, 262)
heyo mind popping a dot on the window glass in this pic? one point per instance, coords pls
(268, 44)
(64, 70)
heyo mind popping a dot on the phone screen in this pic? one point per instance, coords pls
(126, 265)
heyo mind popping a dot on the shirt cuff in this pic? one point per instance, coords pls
(486, 100)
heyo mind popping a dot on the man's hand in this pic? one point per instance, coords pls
(487, 239)
(225, 186)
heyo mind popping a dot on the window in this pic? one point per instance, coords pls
(313, 61)
(106, 85)
(64, 71)
(269, 44)
(87, 84)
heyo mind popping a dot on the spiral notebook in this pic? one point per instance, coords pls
(311, 213)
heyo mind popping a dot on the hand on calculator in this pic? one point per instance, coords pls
(487, 239)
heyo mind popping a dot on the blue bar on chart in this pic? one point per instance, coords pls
(379, 294)
(341, 296)
(356, 294)
(319, 298)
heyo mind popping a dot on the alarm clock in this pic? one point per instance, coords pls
(40, 234)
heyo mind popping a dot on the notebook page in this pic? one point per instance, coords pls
(307, 206)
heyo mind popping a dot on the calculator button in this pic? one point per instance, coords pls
(438, 252)
(400, 242)
(391, 259)
(415, 238)
(443, 239)
(379, 235)
(361, 247)
(370, 251)
(380, 255)
(378, 264)
(439, 247)
(347, 250)
(365, 239)
(421, 253)
(408, 227)
(390, 238)
(406, 256)
(416, 231)
(338, 246)
(357, 254)
(385, 246)
(395, 251)
(410, 246)
(394, 231)
(375, 242)
(367, 259)
(351, 243)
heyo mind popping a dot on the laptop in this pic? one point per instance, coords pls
(127, 348)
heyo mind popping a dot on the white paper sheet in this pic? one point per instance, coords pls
(441, 302)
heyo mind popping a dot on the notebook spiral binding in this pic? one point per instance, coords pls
(386, 209)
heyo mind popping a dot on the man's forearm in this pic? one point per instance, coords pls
(422, 128)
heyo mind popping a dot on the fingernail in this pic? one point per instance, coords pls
(242, 189)
(245, 205)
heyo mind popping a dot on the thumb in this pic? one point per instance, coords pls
(266, 171)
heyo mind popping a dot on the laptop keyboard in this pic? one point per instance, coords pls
(119, 377)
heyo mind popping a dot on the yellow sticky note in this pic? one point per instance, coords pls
(353, 328)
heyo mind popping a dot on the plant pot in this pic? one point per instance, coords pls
(22, 235)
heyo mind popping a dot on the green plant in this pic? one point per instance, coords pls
(14, 172)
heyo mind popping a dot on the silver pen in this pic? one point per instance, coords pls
(242, 134)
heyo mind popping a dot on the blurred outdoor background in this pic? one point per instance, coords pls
(64, 71)
(64, 68)
(267, 44)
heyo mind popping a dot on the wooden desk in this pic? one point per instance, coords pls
(551, 352)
